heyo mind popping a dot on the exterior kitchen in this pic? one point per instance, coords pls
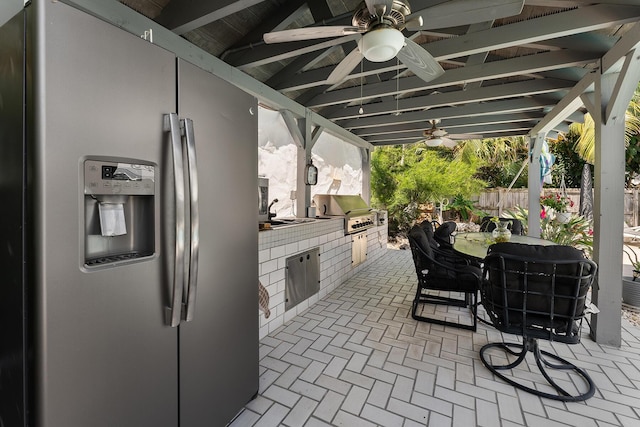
(147, 283)
(304, 257)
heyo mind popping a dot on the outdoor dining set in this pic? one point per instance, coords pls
(528, 287)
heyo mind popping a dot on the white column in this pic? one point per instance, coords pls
(608, 207)
(535, 146)
(365, 155)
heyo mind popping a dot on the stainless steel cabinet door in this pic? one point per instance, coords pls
(104, 355)
(219, 347)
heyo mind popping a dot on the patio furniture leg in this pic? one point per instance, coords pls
(470, 300)
(531, 345)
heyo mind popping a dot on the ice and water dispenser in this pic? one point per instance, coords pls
(119, 211)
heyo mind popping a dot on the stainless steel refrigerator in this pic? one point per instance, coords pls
(129, 260)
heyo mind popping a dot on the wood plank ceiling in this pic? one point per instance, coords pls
(501, 77)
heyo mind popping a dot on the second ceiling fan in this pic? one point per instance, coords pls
(436, 136)
(381, 23)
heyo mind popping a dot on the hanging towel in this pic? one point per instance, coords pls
(263, 300)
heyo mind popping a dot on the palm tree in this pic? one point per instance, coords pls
(504, 150)
(498, 159)
(585, 146)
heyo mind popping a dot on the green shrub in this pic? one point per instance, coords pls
(578, 232)
(403, 177)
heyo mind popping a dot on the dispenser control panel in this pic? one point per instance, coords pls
(104, 177)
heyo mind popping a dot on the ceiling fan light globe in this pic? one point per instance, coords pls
(381, 44)
(434, 142)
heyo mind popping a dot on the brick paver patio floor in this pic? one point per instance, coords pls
(357, 358)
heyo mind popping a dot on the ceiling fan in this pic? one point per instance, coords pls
(381, 23)
(436, 136)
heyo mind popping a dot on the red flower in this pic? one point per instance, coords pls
(543, 213)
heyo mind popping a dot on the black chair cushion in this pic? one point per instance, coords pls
(442, 234)
(467, 277)
(427, 227)
(537, 252)
(422, 241)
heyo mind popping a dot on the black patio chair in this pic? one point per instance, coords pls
(538, 292)
(515, 226)
(439, 271)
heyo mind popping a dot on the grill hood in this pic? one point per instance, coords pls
(338, 204)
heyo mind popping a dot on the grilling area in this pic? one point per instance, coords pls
(355, 211)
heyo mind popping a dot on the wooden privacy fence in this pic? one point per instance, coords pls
(488, 201)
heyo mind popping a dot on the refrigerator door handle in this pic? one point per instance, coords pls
(174, 311)
(195, 220)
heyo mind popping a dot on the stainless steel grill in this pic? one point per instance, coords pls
(355, 211)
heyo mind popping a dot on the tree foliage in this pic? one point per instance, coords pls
(568, 162)
(403, 177)
(585, 144)
(498, 160)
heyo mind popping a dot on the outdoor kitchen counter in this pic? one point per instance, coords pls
(277, 244)
(278, 223)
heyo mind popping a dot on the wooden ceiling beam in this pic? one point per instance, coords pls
(467, 96)
(493, 70)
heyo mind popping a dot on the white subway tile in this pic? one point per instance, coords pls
(264, 255)
(277, 275)
(291, 248)
(268, 267)
(277, 252)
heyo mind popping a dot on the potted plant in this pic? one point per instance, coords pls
(635, 263)
(631, 287)
(557, 204)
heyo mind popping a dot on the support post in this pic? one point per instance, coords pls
(608, 215)
(535, 186)
(365, 155)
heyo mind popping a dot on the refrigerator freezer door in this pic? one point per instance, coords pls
(104, 354)
(219, 348)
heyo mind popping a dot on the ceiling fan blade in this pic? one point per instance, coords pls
(463, 12)
(433, 142)
(449, 143)
(414, 24)
(464, 136)
(419, 61)
(308, 33)
(345, 67)
(379, 7)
